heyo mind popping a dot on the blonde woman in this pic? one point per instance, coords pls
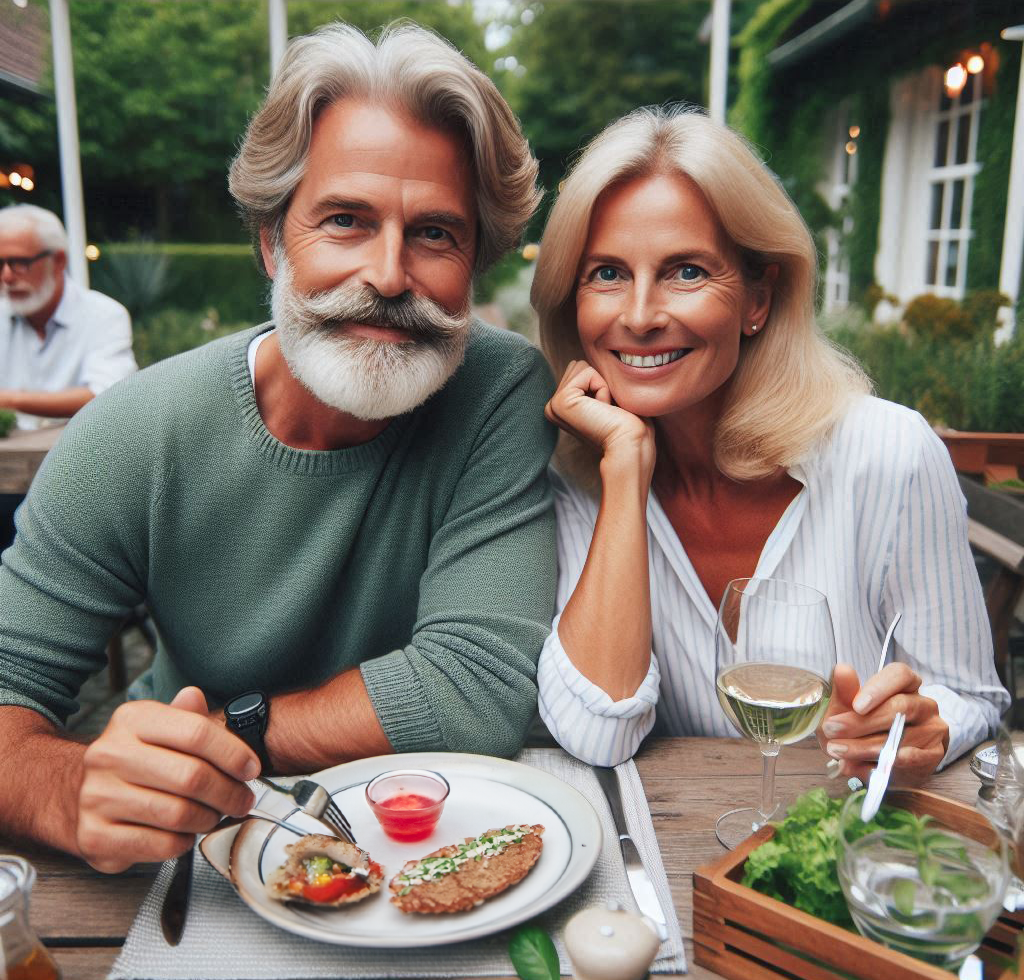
(714, 433)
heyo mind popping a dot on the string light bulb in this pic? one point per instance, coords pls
(956, 79)
(975, 64)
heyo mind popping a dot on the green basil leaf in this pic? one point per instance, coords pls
(533, 954)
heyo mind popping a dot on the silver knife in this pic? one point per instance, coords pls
(639, 880)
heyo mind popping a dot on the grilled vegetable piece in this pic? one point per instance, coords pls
(461, 876)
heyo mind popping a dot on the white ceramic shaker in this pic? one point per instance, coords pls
(609, 943)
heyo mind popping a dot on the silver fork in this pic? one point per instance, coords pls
(314, 800)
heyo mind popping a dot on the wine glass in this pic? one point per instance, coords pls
(775, 651)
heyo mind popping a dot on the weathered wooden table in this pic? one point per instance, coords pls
(83, 916)
(21, 454)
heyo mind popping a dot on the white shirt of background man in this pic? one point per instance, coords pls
(88, 344)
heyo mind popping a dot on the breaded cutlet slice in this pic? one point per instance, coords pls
(478, 869)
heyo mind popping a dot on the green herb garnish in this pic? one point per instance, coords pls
(432, 868)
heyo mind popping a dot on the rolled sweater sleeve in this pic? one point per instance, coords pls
(467, 680)
(944, 635)
(581, 716)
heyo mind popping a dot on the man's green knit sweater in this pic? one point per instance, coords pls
(425, 556)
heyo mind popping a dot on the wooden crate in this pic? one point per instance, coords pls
(745, 935)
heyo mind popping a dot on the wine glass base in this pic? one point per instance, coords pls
(735, 826)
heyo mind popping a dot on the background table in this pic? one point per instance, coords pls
(83, 916)
(21, 454)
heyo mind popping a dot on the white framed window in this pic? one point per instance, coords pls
(954, 165)
(842, 177)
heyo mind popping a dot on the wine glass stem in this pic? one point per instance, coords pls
(769, 753)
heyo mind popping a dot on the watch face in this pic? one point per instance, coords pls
(245, 703)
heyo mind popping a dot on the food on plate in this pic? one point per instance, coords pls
(462, 876)
(325, 871)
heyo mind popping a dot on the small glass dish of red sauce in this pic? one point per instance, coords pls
(407, 802)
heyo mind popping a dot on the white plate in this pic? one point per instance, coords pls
(485, 793)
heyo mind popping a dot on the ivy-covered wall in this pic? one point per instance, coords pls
(870, 109)
(784, 111)
(988, 212)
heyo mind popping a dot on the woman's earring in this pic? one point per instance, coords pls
(753, 328)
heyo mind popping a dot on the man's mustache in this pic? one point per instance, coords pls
(421, 318)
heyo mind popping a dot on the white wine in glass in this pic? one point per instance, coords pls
(775, 652)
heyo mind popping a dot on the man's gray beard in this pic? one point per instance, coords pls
(35, 301)
(369, 379)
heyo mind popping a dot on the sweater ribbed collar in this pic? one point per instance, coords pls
(315, 462)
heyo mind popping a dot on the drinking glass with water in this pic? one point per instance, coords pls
(918, 887)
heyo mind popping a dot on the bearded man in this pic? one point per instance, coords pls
(60, 345)
(345, 512)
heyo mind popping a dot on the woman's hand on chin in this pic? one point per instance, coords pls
(582, 405)
(858, 720)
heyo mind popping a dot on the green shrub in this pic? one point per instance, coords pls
(982, 307)
(169, 332)
(139, 280)
(224, 278)
(938, 318)
(972, 385)
(7, 422)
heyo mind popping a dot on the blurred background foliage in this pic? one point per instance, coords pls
(941, 360)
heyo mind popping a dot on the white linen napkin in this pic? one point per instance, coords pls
(225, 940)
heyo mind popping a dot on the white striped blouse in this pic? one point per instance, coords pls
(879, 526)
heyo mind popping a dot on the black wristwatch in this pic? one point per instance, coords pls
(248, 716)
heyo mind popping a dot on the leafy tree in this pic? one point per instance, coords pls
(578, 66)
(452, 20)
(164, 91)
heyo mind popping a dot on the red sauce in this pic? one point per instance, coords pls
(334, 888)
(408, 816)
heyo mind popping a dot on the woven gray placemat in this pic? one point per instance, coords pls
(225, 940)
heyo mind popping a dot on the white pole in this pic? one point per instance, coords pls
(719, 58)
(1013, 231)
(67, 137)
(278, 13)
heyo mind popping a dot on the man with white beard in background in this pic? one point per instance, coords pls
(60, 345)
(340, 521)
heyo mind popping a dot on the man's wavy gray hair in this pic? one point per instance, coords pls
(408, 68)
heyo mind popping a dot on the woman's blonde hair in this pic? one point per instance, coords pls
(791, 384)
(408, 68)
